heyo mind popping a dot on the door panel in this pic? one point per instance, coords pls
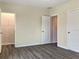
(74, 43)
(73, 30)
(45, 29)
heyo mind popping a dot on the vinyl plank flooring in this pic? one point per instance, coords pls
(48, 51)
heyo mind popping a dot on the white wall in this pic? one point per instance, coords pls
(28, 23)
(61, 11)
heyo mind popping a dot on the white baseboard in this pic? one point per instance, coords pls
(23, 45)
(62, 46)
(67, 48)
(8, 43)
(74, 51)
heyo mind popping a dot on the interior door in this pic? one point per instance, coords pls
(73, 30)
(45, 29)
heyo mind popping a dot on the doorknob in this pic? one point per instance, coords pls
(68, 32)
(42, 31)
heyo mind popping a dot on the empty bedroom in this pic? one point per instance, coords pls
(39, 29)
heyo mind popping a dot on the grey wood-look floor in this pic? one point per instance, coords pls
(49, 51)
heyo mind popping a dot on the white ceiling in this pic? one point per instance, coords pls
(38, 3)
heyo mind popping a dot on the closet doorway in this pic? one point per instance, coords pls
(8, 28)
(53, 23)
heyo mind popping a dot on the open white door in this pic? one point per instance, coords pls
(45, 29)
(73, 30)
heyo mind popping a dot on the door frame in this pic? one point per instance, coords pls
(0, 33)
(55, 14)
(14, 27)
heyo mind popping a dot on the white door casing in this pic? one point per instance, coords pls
(0, 30)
